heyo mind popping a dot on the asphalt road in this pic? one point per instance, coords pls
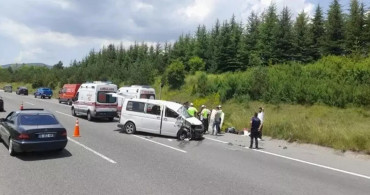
(105, 161)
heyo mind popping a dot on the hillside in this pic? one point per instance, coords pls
(18, 65)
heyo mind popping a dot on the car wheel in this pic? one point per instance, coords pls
(130, 128)
(10, 147)
(89, 117)
(70, 102)
(59, 101)
(182, 135)
(73, 112)
(110, 118)
(35, 96)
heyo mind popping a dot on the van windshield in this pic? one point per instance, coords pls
(182, 110)
(106, 97)
(147, 96)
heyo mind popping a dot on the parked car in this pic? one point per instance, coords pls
(43, 93)
(68, 92)
(29, 130)
(8, 88)
(1, 104)
(22, 91)
(159, 117)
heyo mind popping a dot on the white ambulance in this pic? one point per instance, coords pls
(95, 100)
(133, 91)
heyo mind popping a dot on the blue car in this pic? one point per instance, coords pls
(43, 93)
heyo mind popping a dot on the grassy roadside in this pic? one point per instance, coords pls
(338, 128)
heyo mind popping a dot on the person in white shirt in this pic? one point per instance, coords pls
(260, 116)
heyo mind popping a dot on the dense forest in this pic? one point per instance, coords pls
(272, 46)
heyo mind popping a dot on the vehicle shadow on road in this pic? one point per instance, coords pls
(37, 156)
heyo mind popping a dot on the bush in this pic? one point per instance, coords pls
(175, 74)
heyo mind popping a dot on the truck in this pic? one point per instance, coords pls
(68, 92)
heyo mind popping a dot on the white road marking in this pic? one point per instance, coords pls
(65, 114)
(160, 144)
(216, 140)
(29, 103)
(313, 164)
(93, 151)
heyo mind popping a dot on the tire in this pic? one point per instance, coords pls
(73, 112)
(35, 96)
(130, 128)
(89, 117)
(60, 101)
(10, 148)
(182, 135)
(110, 118)
(70, 102)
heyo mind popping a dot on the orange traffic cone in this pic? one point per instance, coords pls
(21, 108)
(77, 129)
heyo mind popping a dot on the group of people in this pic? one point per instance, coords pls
(204, 115)
(256, 125)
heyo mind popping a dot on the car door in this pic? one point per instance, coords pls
(8, 126)
(152, 121)
(171, 122)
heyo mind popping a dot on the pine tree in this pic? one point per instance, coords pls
(334, 41)
(354, 28)
(251, 39)
(214, 50)
(366, 34)
(317, 32)
(302, 43)
(267, 43)
(285, 37)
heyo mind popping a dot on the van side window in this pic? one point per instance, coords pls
(171, 114)
(153, 109)
(135, 106)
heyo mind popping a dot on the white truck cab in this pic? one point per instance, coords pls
(95, 100)
(159, 117)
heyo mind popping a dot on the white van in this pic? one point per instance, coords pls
(159, 117)
(95, 100)
(134, 91)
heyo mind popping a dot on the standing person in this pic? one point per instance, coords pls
(217, 121)
(204, 117)
(261, 114)
(192, 110)
(186, 105)
(255, 128)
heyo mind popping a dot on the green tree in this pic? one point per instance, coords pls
(366, 34)
(354, 28)
(175, 74)
(196, 63)
(267, 43)
(284, 37)
(251, 39)
(302, 44)
(59, 65)
(334, 41)
(317, 32)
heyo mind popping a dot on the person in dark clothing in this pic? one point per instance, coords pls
(255, 128)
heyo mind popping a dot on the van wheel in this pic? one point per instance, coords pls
(11, 147)
(89, 117)
(130, 128)
(182, 135)
(73, 112)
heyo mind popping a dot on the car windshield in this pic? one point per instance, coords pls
(37, 119)
(182, 110)
(46, 89)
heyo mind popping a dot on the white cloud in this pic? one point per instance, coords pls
(198, 10)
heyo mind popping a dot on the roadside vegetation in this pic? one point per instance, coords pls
(311, 74)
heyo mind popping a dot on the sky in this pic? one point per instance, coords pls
(48, 31)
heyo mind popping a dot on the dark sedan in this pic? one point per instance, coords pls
(31, 130)
(22, 91)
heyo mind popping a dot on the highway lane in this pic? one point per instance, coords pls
(144, 167)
